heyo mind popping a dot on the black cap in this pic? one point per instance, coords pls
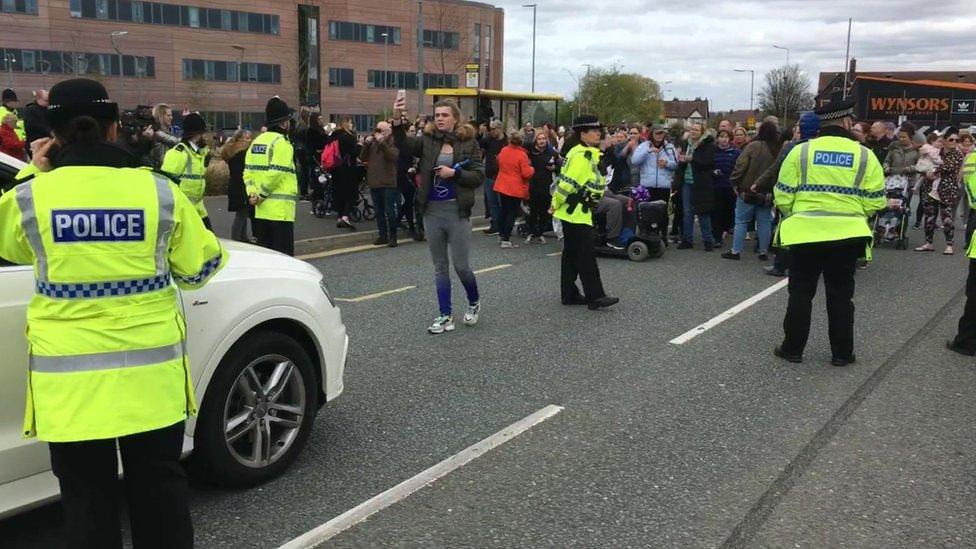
(276, 111)
(585, 122)
(77, 97)
(194, 124)
(9, 95)
(836, 109)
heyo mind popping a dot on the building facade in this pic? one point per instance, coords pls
(685, 112)
(224, 58)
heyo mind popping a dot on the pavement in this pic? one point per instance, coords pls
(712, 443)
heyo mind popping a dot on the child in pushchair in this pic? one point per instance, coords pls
(890, 223)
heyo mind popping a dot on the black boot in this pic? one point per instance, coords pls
(602, 303)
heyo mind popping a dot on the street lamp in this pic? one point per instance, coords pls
(752, 86)
(578, 86)
(386, 67)
(240, 87)
(112, 36)
(10, 59)
(533, 6)
(787, 53)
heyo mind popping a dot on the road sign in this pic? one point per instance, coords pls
(471, 75)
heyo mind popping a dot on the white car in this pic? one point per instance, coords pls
(267, 348)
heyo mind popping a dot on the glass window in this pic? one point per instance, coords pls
(101, 9)
(27, 61)
(242, 21)
(341, 78)
(225, 20)
(254, 22)
(125, 10)
(476, 41)
(275, 25)
(31, 7)
(208, 70)
(194, 17)
(137, 12)
(171, 14)
(75, 7)
(8, 6)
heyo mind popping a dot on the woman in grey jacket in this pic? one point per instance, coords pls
(450, 171)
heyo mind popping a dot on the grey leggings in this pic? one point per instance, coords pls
(445, 228)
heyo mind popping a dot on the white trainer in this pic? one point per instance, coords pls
(471, 315)
(443, 323)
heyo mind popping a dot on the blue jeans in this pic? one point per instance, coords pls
(688, 219)
(492, 204)
(385, 201)
(744, 213)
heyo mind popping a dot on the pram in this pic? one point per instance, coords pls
(891, 223)
(321, 185)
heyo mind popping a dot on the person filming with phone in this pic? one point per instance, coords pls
(450, 171)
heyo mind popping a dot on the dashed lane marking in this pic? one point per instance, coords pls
(495, 268)
(554, 255)
(340, 251)
(702, 328)
(362, 298)
(403, 490)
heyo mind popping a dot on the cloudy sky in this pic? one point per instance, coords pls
(696, 44)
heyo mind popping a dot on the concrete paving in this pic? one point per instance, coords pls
(711, 443)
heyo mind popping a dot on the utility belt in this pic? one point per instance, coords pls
(869, 240)
(585, 200)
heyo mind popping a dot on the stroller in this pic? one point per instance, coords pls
(321, 185)
(891, 223)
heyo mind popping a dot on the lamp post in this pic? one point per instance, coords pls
(533, 6)
(576, 78)
(10, 60)
(752, 85)
(240, 87)
(787, 53)
(112, 36)
(386, 67)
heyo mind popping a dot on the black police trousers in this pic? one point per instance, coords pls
(837, 261)
(275, 235)
(155, 489)
(579, 261)
(966, 337)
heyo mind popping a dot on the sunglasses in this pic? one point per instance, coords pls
(952, 140)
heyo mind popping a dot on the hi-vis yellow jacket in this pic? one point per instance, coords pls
(578, 185)
(187, 168)
(269, 171)
(828, 188)
(104, 329)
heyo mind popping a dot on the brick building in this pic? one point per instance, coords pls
(224, 57)
(680, 111)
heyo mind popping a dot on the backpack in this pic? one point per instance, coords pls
(330, 156)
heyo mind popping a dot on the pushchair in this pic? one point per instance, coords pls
(322, 197)
(891, 223)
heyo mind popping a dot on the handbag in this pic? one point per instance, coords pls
(763, 200)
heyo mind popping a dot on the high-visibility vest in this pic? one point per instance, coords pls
(19, 128)
(269, 171)
(187, 169)
(580, 177)
(969, 179)
(106, 337)
(828, 187)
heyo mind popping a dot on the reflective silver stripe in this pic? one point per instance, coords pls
(271, 148)
(28, 220)
(862, 167)
(104, 361)
(289, 197)
(820, 213)
(804, 157)
(164, 228)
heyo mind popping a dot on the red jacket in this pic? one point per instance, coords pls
(11, 144)
(514, 172)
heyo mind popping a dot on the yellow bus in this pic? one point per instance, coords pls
(513, 108)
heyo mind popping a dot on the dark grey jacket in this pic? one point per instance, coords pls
(428, 146)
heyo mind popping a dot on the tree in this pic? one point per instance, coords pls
(447, 18)
(617, 97)
(786, 91)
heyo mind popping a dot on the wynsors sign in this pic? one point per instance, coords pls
(889, 100)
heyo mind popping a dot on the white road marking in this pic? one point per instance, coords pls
(340, 251)
(401, 491)
(374, 296)
(495, 268)
(702, 328)
(554, 255)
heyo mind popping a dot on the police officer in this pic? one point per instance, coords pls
(8, 100)
(269, 175)
(186, 163)
(965, 341)
(828, 188)
(108, 365)
(575, 194)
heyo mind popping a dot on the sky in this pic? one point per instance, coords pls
(696, 44)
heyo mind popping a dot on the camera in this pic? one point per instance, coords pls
(135, 121)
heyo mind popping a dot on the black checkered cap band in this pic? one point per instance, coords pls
(588, 126)
(834, 115)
